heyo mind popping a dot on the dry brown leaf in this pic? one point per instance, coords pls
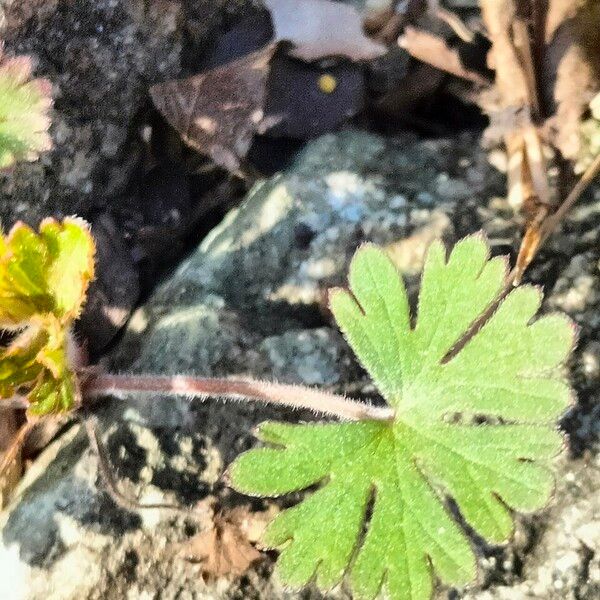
(218, 112)
(559, 12)
(499, 16)
(433, 50)
(546, 58)
(516, 41)
(384, 23)
(9, 428)
(226, 547)
(571, 73)
(322, 28)
(545, 78)
(515, 31)
(528, 190)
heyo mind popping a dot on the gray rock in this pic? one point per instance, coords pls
(266, 268)
(310, 357)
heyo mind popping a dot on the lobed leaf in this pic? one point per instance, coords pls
(44, 274)
(43, 283)
(379, 510)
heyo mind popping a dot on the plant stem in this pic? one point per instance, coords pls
(16, 444)
(554, 220)
(514, 277)
(107, 473)
(244, 390)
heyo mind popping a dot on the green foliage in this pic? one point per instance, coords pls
(43, 282)
(24, 105)
(479, 427)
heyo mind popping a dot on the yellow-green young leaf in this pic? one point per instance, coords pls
(36, 365)
(43, 283)
(70, 265)
(52, 395)
(24, 107)
(479, 427)
(18, 362)
(45, 273)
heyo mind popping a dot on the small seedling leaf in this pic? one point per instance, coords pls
(24, 107)
(479, 427)
(43, 283)
(45, 273)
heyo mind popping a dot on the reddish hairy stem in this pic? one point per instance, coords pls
(244, 390)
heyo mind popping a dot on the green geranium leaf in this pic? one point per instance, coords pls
(479, 427)
(43, 284)
(24, 107)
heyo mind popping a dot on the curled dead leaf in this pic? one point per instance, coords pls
(218, 112)
(435, 51)
(226, 547)
(269, 93)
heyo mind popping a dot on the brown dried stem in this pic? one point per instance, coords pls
(515, 275)
(13, 450)
(112, 488)
(554, 220)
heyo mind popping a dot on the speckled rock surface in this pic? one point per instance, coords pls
(266, 268)
(101, 56)
(99, 81)
(251, 301)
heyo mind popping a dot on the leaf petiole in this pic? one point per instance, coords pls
(242, 390)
